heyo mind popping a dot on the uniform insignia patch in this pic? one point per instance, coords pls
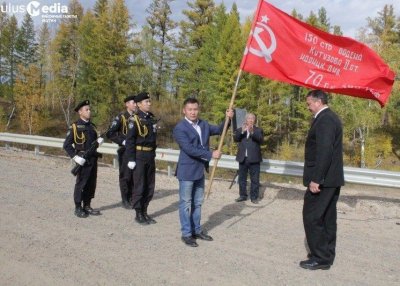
(114, 123)
(130, 125)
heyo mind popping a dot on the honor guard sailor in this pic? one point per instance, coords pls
(117, 134)
(81, 136)
(140, 154)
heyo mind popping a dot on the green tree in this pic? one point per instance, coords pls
(384, 26)
(383, 34)
(105, 76)
(65, 61)
(193, 34)
(43, 57)
(4, 18)
(9, 48)
(29, 98)
(160, 42)
(26, 46)
(228, 54)
(361, 118)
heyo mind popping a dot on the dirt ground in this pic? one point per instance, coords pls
(43, 243)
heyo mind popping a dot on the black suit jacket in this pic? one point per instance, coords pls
(252, 144)
(323, 162)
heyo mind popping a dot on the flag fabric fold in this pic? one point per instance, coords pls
(283, 48)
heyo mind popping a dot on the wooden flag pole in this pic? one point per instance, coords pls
(221, 140)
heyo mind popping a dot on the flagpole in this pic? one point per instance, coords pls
(221, 140)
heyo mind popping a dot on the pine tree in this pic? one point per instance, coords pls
(4, 18)
(29, 98)
(26, 43)
(323, 21)
(159, 44)
(384, 37)
(9, 48)
(228, 55)
(43, 51)
(65, 61)
(193, 35)
(100, 7)
(105, 76)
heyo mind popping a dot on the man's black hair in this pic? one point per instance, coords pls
(319, 94)
(190, 100)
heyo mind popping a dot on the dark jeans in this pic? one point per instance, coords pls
(319, 219)
(254, 170)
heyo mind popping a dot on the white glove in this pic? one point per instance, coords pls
(100, 140)
(131, 165)
(123, 143)
(79, 160)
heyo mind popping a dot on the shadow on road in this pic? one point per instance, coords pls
(109, 207)
(285, 193)
(159, 194)
(169, 209)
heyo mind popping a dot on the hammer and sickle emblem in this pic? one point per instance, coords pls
(263, 51)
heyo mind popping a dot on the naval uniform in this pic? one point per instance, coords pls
(140, 148)
(80, 137)
(117, 134)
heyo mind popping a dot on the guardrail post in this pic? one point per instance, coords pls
(115, 162)
(37, 150)
(169, 168)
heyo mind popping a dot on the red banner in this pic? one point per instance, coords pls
(283, 48)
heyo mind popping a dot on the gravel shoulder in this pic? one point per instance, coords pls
(43, 243)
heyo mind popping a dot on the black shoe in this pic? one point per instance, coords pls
(240, 199)
(126, 205)
(189, 241)
(90, 211)
(79, 212)
(203, 236)
(314, 265)
(140, 218)
(254, 201)
(149, 219)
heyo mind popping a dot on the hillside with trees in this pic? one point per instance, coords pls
(44, 73)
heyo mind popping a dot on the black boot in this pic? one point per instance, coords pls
(125, 201)
(89, 210)
(147, 217)
(79, 212)
(139, 217)
(126, 205)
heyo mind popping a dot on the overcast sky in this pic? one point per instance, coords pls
(350, 15)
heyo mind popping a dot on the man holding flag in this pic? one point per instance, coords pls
(283, 48)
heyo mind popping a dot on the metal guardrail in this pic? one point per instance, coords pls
(287, 168)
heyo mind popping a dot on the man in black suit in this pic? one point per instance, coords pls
(323, 177)
(250, 137)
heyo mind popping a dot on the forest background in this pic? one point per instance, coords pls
(102, 55)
